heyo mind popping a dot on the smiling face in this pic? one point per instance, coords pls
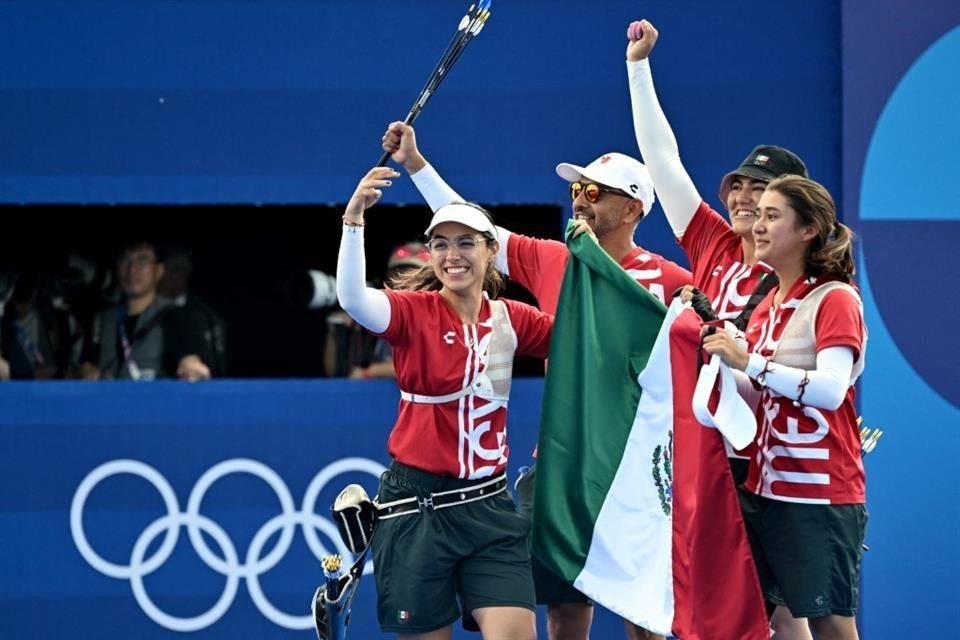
(780, 237)
(742, 201)
(460, 256)
(612, 212)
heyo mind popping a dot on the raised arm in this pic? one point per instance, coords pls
(369, 307)
(401, 141)
(658, 146)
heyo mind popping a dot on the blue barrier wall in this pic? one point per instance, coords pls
(88, 472)
(101, 484)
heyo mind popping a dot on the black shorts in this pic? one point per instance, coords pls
(739, 468)
(807, 555)
(550, 588)
(428, 565)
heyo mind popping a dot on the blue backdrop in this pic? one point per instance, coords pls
(285, 100)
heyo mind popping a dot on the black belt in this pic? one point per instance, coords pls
(442, 499)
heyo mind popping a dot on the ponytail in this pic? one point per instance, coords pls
(831, 251)
(835, 255)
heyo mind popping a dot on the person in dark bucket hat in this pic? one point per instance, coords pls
(765, 162)
(727, 275)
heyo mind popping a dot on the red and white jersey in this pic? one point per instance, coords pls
(539, 265)
(806, 454)
(716, 256)
(436, 354)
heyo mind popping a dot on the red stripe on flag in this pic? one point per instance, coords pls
(716, 590)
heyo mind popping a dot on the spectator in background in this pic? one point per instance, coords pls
(194, 314)
(37, 335)
(147, 336)
(352, 351)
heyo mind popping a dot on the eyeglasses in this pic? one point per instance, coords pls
(465, 244)
(591, 191)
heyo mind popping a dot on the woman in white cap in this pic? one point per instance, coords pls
(805, 494)
(449, 537)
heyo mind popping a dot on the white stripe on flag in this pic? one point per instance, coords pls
(629, 567)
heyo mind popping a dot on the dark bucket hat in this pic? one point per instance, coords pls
(765, 162)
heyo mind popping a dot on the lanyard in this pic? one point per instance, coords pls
(125, 345)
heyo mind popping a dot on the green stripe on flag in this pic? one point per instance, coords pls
(605, 326)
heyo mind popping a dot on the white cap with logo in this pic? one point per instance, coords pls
(465, 214)
(617, 171)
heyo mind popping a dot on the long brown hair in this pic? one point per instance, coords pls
(425, 278)
(831, 251)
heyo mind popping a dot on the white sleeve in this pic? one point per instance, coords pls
(826, 385)
(432, 187)
(658, 146)
(369, 307)
(746, 389)
(500, 261)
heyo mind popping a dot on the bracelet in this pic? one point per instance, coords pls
(351, 223)
(803, 387)
(762, 376)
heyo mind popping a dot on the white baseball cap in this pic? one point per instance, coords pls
(466, 214)
(617, 171)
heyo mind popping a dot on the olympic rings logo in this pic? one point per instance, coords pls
(228, 563)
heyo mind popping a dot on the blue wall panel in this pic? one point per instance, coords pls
(901, 144)
(284, 101)
(265, 444)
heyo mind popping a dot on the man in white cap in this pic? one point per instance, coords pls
(610, 197)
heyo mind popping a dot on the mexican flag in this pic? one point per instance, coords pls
(634, 501)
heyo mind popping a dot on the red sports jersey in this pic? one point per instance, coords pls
(539, 265)
(716, 257)
(435, 354)
(805, 454)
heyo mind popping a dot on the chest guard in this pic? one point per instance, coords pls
(798, 342)
(496, 354)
